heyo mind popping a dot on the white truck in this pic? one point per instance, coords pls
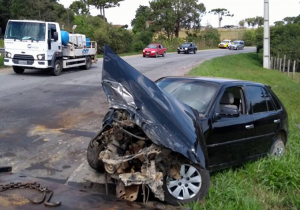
(31, 44)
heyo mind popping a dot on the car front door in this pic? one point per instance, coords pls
(160, 50)
(230, 139)
(266, 118)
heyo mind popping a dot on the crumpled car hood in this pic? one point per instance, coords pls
(164, 119)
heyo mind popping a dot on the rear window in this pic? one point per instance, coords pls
(257, 99)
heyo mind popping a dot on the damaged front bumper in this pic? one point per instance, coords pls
(147, 134)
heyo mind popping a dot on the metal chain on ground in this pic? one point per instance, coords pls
(34, 186)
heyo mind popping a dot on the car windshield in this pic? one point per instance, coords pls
(25, 31)
(196, 94)
(185, 45)
(236, 42)
(152, 46)
(224, 42)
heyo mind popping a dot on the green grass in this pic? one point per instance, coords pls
(269, 183)
(1, 43)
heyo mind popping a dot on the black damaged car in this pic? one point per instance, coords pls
(187, 48)
(170, 134)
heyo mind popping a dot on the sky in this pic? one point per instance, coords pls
(241, 9)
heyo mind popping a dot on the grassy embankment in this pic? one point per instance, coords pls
(269, 183)
(2, 54)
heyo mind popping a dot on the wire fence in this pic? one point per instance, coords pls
(285, 65)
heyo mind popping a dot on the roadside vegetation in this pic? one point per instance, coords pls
(269, 183)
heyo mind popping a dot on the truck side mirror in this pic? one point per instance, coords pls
(55, 36)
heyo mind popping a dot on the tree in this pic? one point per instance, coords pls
(250, 22)
(221, 12)
(289, 20)
(242, 23)
(79, 8)
(279, 23)
(104, 4)
(259, 21)
(171, 16)
(143, 14)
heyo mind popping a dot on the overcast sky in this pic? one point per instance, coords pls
(241, 9)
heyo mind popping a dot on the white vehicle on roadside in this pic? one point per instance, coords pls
(43, 45)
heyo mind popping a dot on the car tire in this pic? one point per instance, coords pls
(56, 71)
(93, 152)
(178, 52)
(144, 56)
(194, 51)
(87, 65)
(156, 55)
(277, 148)
(164, 54)
(200, 186)
(18, 70)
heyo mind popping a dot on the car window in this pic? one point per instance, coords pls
(234, 98)
(275, 100)
(257, 99)
(269, 100)
(195, 94)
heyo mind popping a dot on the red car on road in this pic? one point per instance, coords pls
(154, 50)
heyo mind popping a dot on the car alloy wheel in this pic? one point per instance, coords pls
(188, 186)
(277, 148)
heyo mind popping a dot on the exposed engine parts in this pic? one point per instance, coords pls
(133, 160)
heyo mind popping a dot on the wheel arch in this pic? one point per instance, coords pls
(282, 135)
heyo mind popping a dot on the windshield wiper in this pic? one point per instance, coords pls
(30, 38)
(14, 38)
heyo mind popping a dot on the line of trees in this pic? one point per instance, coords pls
(252, 22)
(285, 38)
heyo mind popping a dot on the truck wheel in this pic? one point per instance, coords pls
(56, 71)
(93, 152)
(192, 186)
(87, 65)
(18, 70)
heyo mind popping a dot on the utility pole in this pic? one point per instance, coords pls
(266, 35)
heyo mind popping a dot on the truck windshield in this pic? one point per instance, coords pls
(25, 31)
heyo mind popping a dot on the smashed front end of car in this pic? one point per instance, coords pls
(146, 135)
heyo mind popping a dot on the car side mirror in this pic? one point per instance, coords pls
(229, 112)
(55, 36)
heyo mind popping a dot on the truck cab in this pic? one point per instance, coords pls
(38, 45)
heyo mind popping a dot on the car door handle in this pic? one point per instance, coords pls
(277, 121)
(249, 126)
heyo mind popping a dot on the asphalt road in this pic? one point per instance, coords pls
(47, 122)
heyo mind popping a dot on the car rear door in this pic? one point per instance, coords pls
(266, 118)
(230, 139)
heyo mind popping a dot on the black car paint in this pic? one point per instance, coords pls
(192, 48)
(212, 143)
(165, 120)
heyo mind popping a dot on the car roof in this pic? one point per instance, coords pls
(154, 44)
(218, 80)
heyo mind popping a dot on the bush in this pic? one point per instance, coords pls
(249, 38)
(138, 46)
